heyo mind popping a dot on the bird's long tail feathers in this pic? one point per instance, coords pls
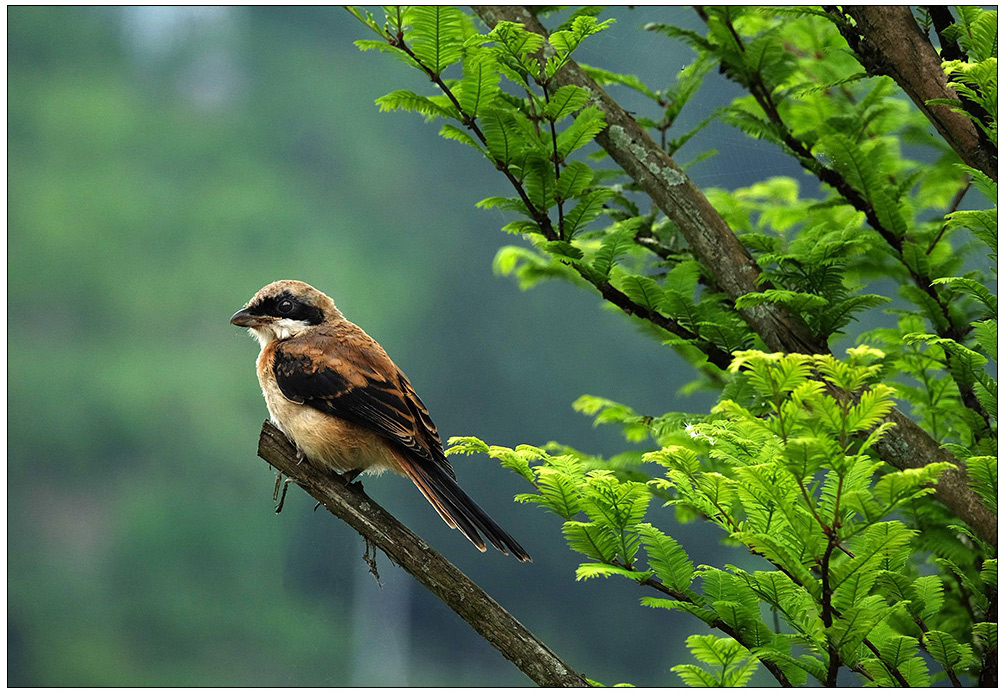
(459, 510)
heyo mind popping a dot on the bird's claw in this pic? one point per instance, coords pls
(285, 488)
(350, 475)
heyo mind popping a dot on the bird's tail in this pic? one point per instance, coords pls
(459, 510)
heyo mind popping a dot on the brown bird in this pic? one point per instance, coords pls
(337, 395)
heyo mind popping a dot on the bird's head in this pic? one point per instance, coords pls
(285, 309)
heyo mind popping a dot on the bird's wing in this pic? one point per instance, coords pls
(345, 373)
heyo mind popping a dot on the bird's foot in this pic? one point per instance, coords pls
(284, 487)
(370, 558)
(350, 475)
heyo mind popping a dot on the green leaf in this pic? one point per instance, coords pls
(575, 178)
(516, 463)
(872, 407)
(895, 488)
(715, 650)
(591, 540)
(974, 586)
(436, 35)
(498, 202)
(565, 101)
(988, 574)
(589, 123)
(541, 184)
(695, 676)
(880, 543)
(561, 250)
(590, 207)
(643, 291)
(799, 301)
(614, 245)
(928, 593)
(985, 335)
(862, 169)
(465, 445)
(479, 86)
(514, 48)
(972, 288)
(982, 475)
(855, 623)
(701, 613)
(587, 571)
(404, 100)
(604, 78)
(899, 652)
(505, 136)
(560, 492)
(985, 633)
(451, 132)
(915, 258)
(669, 560)
(690, 37)
(523, 227)
(567, 40)
(946, 650)
(982, 223)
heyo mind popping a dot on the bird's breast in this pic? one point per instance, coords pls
(326, 440)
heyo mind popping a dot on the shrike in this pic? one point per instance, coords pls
(337, 395)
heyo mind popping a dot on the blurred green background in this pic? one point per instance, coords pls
(164, 164)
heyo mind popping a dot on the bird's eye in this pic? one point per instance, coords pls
(285, 306)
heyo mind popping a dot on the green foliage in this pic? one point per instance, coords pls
(863, 568)
(794, 482)
(733, 663)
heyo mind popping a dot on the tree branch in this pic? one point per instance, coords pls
(773, 668)
(489, 619)
(888, 41)
(907, 445)
(801, 151)
(715, 354)
(710, 237)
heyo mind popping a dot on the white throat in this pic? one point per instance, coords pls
(282, 329)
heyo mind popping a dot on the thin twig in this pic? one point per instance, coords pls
(716, 624)
(557, 165)
(715, 355)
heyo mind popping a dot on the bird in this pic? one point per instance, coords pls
(347, 407)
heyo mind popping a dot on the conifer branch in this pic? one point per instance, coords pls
(675, 194)
(715, 354)
(906, 445)
(557, 164)
(923, 642)
(763, 95)
(888, 41)
(489, 619)
(827, 613)
(716, 624)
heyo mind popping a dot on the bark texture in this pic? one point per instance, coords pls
(888, 41)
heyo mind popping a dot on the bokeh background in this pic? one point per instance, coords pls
(165, 163)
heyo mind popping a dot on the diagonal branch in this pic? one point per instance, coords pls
(710, 237)
(802, 152)
(773, 668)
(715, 244)
(888, 41)
(715, 355)
(489, 619)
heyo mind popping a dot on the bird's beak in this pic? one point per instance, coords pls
(245, 319)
